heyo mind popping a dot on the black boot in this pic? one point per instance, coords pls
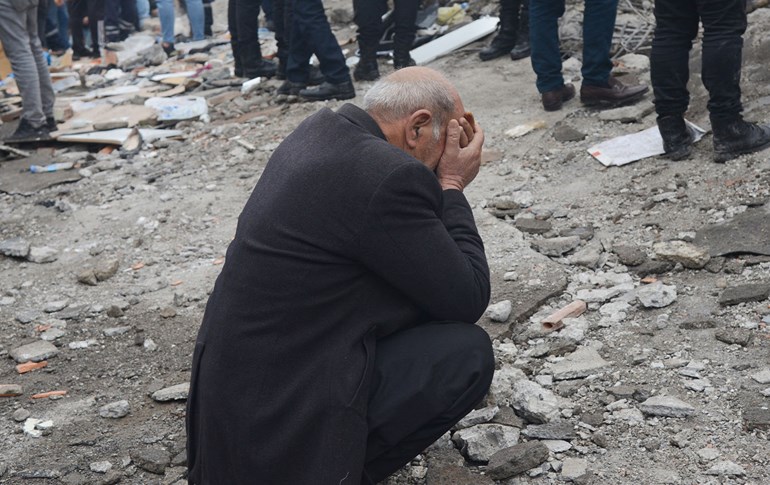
(522, 49)
(328, 91)
(25, 132)
(402, 44)
(289, 88)
(505, 40)
(366, 70)
(253, 63)
(237, 57)
(738, 137)
(677, 136)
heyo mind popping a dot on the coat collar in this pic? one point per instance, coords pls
(361, 118)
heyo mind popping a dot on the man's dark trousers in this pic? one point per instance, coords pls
(598, 27)
(243, 22)
(310, 34)
(724, 22)
(368, 17)
(119, 19)
(78, 10)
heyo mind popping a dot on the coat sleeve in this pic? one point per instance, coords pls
(424, 242)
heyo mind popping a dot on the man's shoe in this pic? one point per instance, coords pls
(25, 133)
(328, 91)
(50, 123)
(366, 71)
(553, 100)
(614, 94)
(81, 53)
(678, 137)
(315, 77)
(737, 138)
(402, 61)
(504, 41)
(289, 88)
(263, 68)
(522, 50)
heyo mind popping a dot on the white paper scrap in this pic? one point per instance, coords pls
(636, 146)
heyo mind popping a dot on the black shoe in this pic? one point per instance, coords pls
(263, 68)
(315, 78)
(738, 137)
(81, 53)
(522, 50)
(25, 132)
(400, 62)
(328, 91)
(50, 123)
(366, 70)
(504, 41)
(678, 137)
(168, 48)
(289, 88)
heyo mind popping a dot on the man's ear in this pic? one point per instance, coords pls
(418, 124)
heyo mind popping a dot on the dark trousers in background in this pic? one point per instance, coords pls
(78, 10)
(368, 18)
(42, 14)
(243, 23)
(724, 22)
(310, 34)
(56, 28)
(425, 380)
(598, 27)
(119, 19)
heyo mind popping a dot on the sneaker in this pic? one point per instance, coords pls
(553, 100)
(737, 138)
(25, 133)
(614, 94)
(678, 137)
(327, 91)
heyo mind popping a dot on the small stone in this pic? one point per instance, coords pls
(55, 306)
(178, 392)
(556, 246)
(35, 352)
(42, 255)
(689, 255)
(628, 114)
(756, 418)
(517, 459)
(762, 377)
(115, 410)
(532, 226)
(10, 390)
(523, 198)
(656, 295)
(708, 454)
(629, 255)
(20, 415)
(598, 295)
(100, 466)
(167, 312)
(87, 277)
(588, 257)
(28, 316)
(740, 336)
(533, 402)
(582, 363)
(150, 345)
(115, 331)
(564, 133)
(557, 430)
(477, 416)
(153, 460)
(698, 324)
(114, 311)
(666, 406)
(52, 334)
(500, 311)
(652, 268)
(106, 269)
(744, 293)
(15, 247)
(726, 468)
(574, 468)
(480, 442)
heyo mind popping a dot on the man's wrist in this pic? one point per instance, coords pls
(447, 184)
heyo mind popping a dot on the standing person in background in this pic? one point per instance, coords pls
(513, 36)
(42, 15)
(243, 23)
(21, 41)
(166, 14)
(56, 28)
(599, 88)
(724, 23)
(84, 13)
(119, 19)
(368, 17)
(208, 18)
(142, 12)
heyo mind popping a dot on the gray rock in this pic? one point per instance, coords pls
(698, 324)
(500, 311)
(153, 460)
(689, 255)
(480, 442)
(557, 446)
(582, 363)
(656, 295)
(517, 459)
(762, 377)
(167, 312)
(106, 269)
(726, 468)
(115, 311)
(666, 406)
(628, 114)
(585, 233)
(523, 198)
(446, 471)
(532, 226)
(629, 255)
(589, 257)
(178, 392)
(598, 295)
(556, 246)
(574, 468)
(708, 454)
(42, 254)
(115, 410)
(115, 331)
(15, 247)
(502, 383)
(35, 352)
(757, 417)
(55, 306)
(100, 466)
(740, 336)
(87, 277)
(28, 316)
(563, 133)
(11, 390)
(557, 430)
(533, 402)
(652, 268)
(20, 415)
(478, 416)
(744, 293)
(52, 334)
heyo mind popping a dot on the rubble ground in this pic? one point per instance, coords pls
(664, 379)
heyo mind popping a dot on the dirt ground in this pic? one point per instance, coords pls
(168, 214)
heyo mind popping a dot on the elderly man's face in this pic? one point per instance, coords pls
(430, 149)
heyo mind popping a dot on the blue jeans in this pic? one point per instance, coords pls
(56, 28)
(194, 12)
(724, 22)
(143, 9)
(598, 26)
(311, 34)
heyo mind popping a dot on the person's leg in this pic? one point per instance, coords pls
(166, 14)
(522, 48)
(405, 19)
(232, 27)
(368, 18)
(95, 15)
(208, 18)
(544, 33)
(111, 20)
(142, 9)
(676, 27)
(311, 23)
(425, 380)
(78, 9)
(63, 20)
(505, 39)
(197, 18)
(598, 27)
(281, 37)
(127, 22)
(247, 19)
(42, 15)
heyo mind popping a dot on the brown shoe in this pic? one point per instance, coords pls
(616, 94)
(552, 100)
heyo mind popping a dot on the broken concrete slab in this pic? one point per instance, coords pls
(744, 293)
(666, 406)
(517, 459)
(454, 40)
(748, 232)
(119, 136)
(690, 255)
(16, 179)
(34, 352)
(581, 363)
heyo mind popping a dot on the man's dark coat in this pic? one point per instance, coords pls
(345, 239)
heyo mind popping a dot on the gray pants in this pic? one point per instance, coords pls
(18, 33)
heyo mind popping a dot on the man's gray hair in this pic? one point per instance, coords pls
(391, 101)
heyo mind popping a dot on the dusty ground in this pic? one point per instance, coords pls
(168, 214)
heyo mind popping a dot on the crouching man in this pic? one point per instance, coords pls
(339, 341)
